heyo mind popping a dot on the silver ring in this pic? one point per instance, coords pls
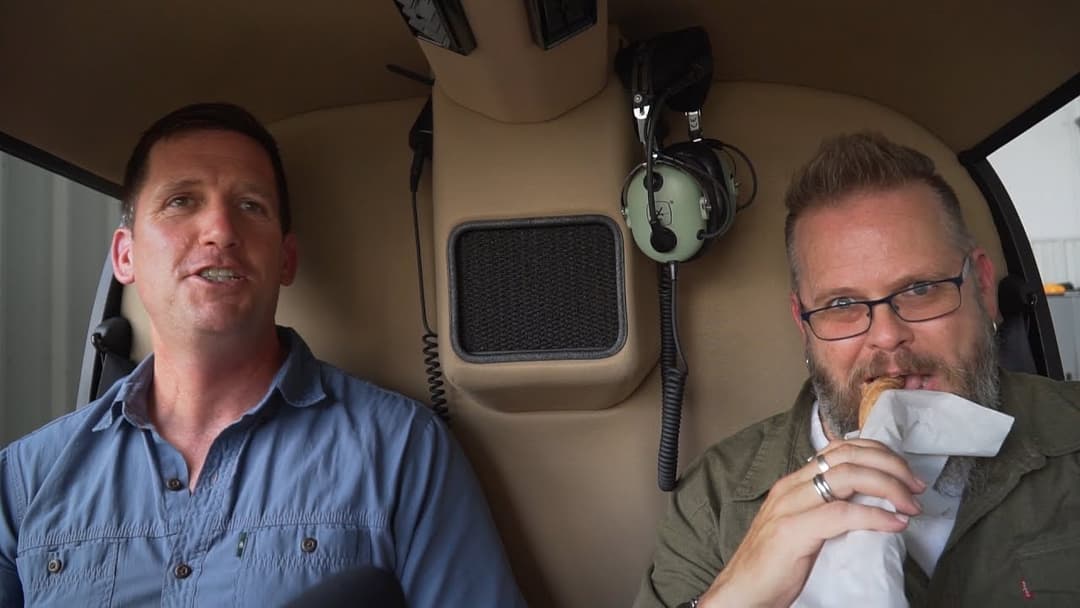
(822, 487)
(821, 464)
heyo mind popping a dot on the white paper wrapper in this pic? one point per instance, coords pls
(866, 568)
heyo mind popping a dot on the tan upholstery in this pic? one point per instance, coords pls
(511, 79)
(82, 82)
(573, 490)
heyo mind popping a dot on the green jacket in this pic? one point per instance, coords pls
(1016, 543)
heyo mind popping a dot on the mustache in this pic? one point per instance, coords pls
(908, 362)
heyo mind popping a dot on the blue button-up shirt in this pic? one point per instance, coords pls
(325, 473)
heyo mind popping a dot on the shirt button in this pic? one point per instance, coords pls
(55, 565)
(308, 545)
(182, 571)
(174, 484)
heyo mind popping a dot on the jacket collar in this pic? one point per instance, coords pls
(1047, 412)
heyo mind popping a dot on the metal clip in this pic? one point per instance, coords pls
(693, 124)
(641, 114)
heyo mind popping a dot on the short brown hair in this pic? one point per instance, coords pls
(861, 162)
(202, 117)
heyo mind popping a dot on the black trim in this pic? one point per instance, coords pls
(1020, 260)
(1015, 245)
(440, 22)
(55, 164)
(553, 22)
(108, 303)
(1052, 102)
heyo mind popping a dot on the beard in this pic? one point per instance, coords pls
(975, 379)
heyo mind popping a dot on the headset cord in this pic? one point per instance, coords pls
(727, 148)
(432, 367)
(673, 373)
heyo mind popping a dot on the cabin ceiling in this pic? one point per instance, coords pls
(82, 79)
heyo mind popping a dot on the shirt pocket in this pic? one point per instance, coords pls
(280, 562)
(1048, 565)
(71, 574)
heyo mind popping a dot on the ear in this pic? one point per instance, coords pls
(796, 314)
(290, 259)
(985, 281)
(123, 260)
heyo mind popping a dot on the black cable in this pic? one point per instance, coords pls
(432, 367)
(719, 145)
(650, 149)
(673, 373)
(411, 75)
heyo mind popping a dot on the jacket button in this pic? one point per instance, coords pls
(308, 545)
(174, 484)
(182, 571)
(55, 565)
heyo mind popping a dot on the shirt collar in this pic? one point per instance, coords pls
(298, 381)
(818, 439)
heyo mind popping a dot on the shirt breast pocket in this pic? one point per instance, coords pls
(278, 563)
(1048, 564)
(72, 574)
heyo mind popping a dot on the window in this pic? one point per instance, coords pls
(1041, 171)
(54, 237)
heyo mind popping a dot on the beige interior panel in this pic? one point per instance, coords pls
(508, 77)
(522, 171)
(961, 68)
(81, 79)
(573, 492)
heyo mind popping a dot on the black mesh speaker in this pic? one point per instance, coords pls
(537, 289)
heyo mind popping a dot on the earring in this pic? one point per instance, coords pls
(994, 325)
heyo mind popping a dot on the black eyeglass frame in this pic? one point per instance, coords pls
(958, 280)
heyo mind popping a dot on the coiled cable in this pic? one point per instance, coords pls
(432, 366)
(673, 373)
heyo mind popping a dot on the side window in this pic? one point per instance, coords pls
(1041, 171)
(54, 236)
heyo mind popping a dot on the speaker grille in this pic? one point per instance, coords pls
(547, 288)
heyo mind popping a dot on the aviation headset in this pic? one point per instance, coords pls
(676, 201)
(693, 201)
(684, 194)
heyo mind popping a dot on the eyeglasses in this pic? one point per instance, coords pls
(923, 301)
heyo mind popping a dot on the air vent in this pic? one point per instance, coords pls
(440, 22)
(556, 21)
(537, 289)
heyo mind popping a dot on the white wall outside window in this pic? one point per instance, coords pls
(54, 236)
(1041, 171)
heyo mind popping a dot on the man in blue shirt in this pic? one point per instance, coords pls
(232, 467)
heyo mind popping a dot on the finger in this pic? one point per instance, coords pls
(798, 494)
(873, 455)
(848, 479)
(859, 441)
(870, 444)
(887, 476)
(836, 518)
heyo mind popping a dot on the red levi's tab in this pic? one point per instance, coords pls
(1025, 590)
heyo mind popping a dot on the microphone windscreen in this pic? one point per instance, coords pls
(363, 587)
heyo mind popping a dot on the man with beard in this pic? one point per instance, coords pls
(886, 281)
